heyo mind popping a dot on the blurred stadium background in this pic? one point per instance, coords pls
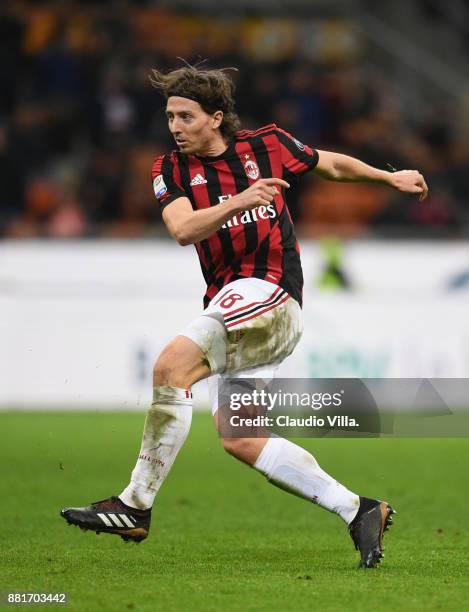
(91, 286)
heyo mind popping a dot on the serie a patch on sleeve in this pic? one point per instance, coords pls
(159, 186)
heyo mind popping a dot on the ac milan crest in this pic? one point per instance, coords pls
(252, 169)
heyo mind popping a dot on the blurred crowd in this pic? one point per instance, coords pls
(80, 124)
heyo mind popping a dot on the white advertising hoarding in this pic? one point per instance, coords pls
(81, 323)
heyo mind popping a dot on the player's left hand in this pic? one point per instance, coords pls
(410, 181)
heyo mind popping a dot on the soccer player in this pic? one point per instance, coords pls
(222, 190)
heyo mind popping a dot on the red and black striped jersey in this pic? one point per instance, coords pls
(258, 243)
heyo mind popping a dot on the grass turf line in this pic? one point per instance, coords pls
(222, 537)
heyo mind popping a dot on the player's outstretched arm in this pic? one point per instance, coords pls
(188, 226)
(338, 167)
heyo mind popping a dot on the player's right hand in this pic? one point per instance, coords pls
(260, 193)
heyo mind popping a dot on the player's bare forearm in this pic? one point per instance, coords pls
(343, 168)
(188, 226)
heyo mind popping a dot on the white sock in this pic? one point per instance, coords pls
(166, 427)
(293, 469)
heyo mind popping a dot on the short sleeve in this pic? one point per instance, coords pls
(297, 158)
(165, 185)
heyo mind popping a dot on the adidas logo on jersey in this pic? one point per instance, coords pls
(198, 180)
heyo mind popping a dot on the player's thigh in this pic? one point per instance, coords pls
(180, 364)
(208, 333)
(196, 353)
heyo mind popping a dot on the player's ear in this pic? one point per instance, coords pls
(217, 119)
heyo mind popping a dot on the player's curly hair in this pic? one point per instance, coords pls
(213, 89)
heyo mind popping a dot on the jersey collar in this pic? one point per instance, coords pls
(213, 158)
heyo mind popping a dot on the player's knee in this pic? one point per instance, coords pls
(238, 447)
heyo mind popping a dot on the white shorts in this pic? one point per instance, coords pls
(246, 331)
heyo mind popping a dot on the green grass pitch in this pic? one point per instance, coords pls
(222, 538)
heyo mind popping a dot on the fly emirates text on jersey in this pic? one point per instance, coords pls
(248, 216)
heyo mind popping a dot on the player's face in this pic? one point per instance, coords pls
(193, 129)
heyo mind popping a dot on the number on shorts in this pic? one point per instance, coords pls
(231, 299)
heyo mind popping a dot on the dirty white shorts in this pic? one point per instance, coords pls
(246, 331)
